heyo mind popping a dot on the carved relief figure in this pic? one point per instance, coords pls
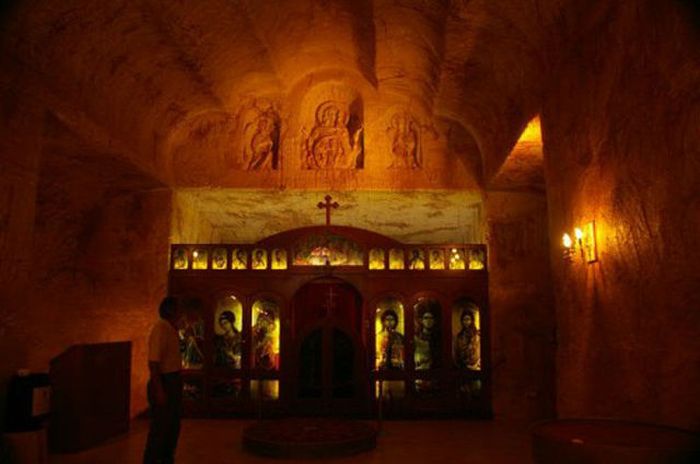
(330, 143)
(261, 142)
(405, 136)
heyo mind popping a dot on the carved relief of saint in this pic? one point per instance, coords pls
(261, 142)
(405, 134)
(330, 143)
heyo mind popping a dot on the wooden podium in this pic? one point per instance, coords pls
(90, 397)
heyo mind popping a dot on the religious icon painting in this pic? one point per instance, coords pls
(191, 334)
(376, 259)
(327, 249)
(200, 259)
(311, 250)
(426, 388)
(343, 252)
(437, 259)
(266, 334)
(219, 258)
(427, 342)
(279, 258)
(466, 335)
(266, 390)
(396, 258)
(416, 259)
(476, 259)
(180, 260)
(228, 326)
(389, 390)
(259, 259)
(192, 389)
(389, 330)
(223, 389)
(457, 258)
(469, 390)
(239, 259)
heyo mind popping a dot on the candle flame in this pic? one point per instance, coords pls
(566, 240)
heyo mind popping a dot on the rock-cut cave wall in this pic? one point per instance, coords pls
(621, 131)
(84, 245)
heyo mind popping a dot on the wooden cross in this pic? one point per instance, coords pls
(327, 206)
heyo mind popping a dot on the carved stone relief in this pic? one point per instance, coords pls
(405, 134)
(261, 136)
(335, 142)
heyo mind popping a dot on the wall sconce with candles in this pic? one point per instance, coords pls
(584, 244)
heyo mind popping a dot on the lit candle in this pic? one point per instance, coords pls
(579, 234)
(566, 240)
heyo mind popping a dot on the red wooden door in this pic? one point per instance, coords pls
(329, 373)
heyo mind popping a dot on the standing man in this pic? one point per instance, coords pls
(164, 386)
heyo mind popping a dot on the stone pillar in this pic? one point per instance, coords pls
(522, 311)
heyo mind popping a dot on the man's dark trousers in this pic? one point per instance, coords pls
(165, 421)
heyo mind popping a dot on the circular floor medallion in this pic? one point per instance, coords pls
(309, 438)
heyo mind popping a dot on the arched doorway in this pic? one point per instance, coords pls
(328, 366)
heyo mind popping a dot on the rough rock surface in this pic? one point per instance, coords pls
(622, 131)
(522, 310)
(109, 108)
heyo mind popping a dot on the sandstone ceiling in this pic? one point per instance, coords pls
(170, 84)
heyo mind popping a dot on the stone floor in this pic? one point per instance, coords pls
(425, 442)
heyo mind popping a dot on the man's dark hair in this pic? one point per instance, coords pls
(168, 307)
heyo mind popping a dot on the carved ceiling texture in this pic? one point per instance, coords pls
(338, 94)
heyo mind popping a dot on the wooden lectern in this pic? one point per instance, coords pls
(90, 397)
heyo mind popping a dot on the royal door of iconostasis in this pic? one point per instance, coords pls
(333, 321)
(328, 371)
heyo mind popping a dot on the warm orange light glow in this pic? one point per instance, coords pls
(589, 245)
(579, 233)
(532, 132)
(566, 241)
